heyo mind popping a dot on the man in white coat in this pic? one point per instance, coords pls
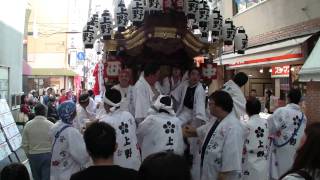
(127, 154)
(86, 112)
(191, 99)
(145, 92)
(221, 152)
(173, 81)
(233, 87)
(69, 153)
(287, 126)
(255, 154)
(125, 89)
(161, 131)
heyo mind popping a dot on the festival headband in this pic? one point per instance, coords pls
(110, 103)
(84, 100)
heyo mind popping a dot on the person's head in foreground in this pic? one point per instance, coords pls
(84, 100)
(308, 156)
(240, 79)
(111, 100)
(294, 96)
(15, 171)
(164, 104)
(253, 106)
(67, 111)
(100, 140)
(164, 166)
(220, 104)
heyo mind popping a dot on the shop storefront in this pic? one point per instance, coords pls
(273, 67)
(56, 78)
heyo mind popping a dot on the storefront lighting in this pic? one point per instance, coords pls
(270, 70)
(250, 75)
(261, 71)
(292, 69)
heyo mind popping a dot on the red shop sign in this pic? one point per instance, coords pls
(280, 71)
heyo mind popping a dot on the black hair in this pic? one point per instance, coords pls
(240, 79)
(164, 166)
(52, 99)
(83, 98)
(100, 140)
(308, 156)
(253, 106)
(50, 89)
(40, 110)
(113, 95)
(294, 96)
(23, 99)
(223, 100)
(166, 100)
(62, 90)
(15, 171)
(90, 92)
(254, 90)
(269, 92)
(150, 69)
(194, 68)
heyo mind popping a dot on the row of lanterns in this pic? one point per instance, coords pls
(198, 13)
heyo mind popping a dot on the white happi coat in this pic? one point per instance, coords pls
(195, 116)
(127, 154)
(282, 124)
(199, 110)
(143, 98)
(224, 150)
(126, 93)
(160, 132)
(69, 153)
(169, 85)
(83, 115)
(239, 101)
(255, 157)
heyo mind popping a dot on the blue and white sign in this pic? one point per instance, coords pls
(81, 55)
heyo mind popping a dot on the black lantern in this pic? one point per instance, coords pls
(228, 31)
(106, 25)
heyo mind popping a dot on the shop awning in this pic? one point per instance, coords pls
(280, 52)
(310, 71)
(52, 72)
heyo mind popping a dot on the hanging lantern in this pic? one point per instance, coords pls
(240, 41)
(88, 35)
(98, 47)
(216, 24)
(228, 31)
(155, 6)
(204, 13)
(121, 15)
(106, 25)
(136, 12)
(191, 10)
(95, 19)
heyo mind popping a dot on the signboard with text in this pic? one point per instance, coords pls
(280, 71)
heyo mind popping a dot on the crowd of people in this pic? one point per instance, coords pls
(166, 130)
(51, 98)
